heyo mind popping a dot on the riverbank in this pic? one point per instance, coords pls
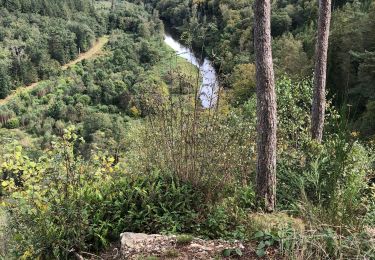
(209, 88)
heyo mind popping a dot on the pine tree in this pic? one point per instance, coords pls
(319, 98)
(266, 107)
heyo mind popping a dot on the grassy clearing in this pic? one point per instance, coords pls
(170, 62)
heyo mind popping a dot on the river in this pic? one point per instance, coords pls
(210, 84)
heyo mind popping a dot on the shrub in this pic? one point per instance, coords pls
(326, 181)
(12, 123)
(324, 242)
(61, 203)
(48, 218)
(150, 203)
(184, 240)
(210, 149)
(272, 223)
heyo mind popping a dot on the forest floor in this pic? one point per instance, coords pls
(137, 246)
(94, 51)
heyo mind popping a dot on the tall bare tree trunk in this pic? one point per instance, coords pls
(113, 5)
(320, 76)
(266, 107)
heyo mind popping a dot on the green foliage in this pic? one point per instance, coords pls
(351, 76)
(183, 240)
(222, 30)
(4, 82)
(12, 123)
(226, 218)
(61, 8)
(95, 94)
(232, 252)
(266, 240)
(151, 160)
(243, 82)
(331, 176)
(150, 203)
(34, 39)
(171, 253)
(290, 56)
(55, 216)
(87, 203)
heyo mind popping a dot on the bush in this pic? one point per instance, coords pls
(12, 123)
(151, 203)
(86, 204)
(272, 223)
(183, 240)
(213, 150)
(329, 179)
(49, 222)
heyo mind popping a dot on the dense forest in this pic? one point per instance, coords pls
(118, 141)
(37, 36)
(223, 29)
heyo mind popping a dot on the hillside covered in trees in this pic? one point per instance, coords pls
(38, 36)
(122, 141)
(224, 29)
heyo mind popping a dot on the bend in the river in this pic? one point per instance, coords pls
(210, 84)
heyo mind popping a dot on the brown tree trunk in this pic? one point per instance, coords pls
(319, 98)
(266, 107)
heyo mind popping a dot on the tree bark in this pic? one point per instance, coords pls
(320, 75)
(113, 5)
(266, 107)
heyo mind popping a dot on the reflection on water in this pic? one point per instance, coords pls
(210, 86)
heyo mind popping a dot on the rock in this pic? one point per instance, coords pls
(136, 240)
(135, 245)
(201, 247)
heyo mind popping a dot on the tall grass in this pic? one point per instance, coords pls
(210, 148)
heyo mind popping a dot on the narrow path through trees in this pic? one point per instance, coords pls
(93, 52)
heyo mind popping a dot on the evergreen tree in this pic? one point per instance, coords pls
(266, 107)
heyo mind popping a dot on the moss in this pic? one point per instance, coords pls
(272, 223)
(171, 253)
(184, 240)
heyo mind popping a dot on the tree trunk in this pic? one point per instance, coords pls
(266, 107)
(113, 5)
(319, 98)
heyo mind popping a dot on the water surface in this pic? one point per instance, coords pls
(210, 85)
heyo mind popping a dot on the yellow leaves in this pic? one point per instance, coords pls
(28, 254)
(108, 164)
(69, 134)
(41, 205)
(134, 111)
(8, 185)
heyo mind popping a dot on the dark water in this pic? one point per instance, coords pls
(210, 84)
